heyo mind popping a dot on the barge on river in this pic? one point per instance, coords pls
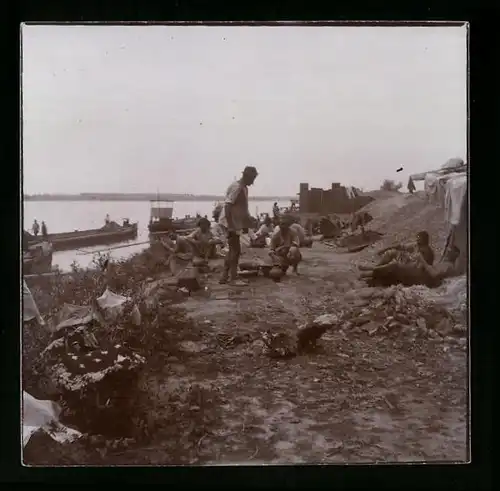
(108, 234)
(162, 221)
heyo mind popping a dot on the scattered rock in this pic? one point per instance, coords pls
(365, 293)
(460, 329)
(371, 326)
(410, 311)
(406, 331)
(308, 335)
(279, 345)
(434, 335)
(444, 326)
(361, 320)
(192, 347)
(329, 320)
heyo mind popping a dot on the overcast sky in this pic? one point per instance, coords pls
(184, 109)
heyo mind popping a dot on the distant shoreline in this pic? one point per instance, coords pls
(143, 197)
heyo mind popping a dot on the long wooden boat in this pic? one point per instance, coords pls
(89, 238)
(184, 223)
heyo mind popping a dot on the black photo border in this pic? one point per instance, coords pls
(482, 104)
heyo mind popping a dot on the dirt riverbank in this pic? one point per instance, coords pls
(359, 398)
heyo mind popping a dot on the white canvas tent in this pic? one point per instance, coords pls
(456, 207)
(447, 188)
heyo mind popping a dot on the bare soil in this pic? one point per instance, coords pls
(359, 398)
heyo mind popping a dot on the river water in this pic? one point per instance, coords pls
(66, 216)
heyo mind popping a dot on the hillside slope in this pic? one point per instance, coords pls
(400, 216)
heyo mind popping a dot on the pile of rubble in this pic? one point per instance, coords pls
(410, 312)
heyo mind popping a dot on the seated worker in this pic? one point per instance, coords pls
(218, 231)
(201, 241)
(265, 231)
(285, 245)
(405, 253)
(359, 220)
(304, 239)
(198, 244)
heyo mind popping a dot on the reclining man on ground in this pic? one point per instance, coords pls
(401, 264)
(419, 273)
(447, 268)
(406, 253)
(285, 246)
(265, 231)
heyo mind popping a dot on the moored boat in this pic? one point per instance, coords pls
(108, 234)
(38, 259)
(162, 221)
(185, 223)
(160, 216)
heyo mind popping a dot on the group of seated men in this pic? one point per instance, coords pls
(207, 241)
(268, 229)
(407, 264)
(200, 245)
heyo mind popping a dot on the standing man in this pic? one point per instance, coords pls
(36, 228)
(235, 219)
(44, 230)
(276, 210)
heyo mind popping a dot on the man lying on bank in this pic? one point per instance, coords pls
(447, 268)
(419, 271)
(266, 230)
(405, 253)
(285, 247)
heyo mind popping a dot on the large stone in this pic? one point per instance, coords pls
(189, 279)
(444, 326)
(279, 345)
(326, 320)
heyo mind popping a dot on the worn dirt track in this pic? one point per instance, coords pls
(359, 398)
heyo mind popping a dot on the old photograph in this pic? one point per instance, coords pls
(244, 244)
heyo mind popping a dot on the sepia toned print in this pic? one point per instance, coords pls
(244, 244)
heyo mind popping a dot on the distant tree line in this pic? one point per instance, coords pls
(139, 197)
(390, 185)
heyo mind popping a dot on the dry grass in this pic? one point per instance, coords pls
(155, 340)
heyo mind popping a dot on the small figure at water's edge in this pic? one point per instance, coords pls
(35, 228)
